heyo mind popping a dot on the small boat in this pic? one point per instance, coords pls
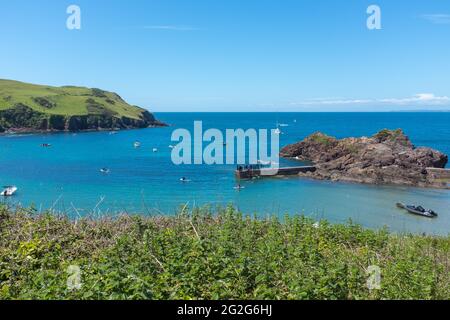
(418, 210)
(239, 187)
(277, 131)
(171, 147)
(46, 145)
(183, 179)
(137, 144)
(155, 150)
(8, 191)
(264, 163)
(105, 170)
(112, 133)
(284, 125)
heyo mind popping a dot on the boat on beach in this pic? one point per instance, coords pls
(418, 210)
(8, 191)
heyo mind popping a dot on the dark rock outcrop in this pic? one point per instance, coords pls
(388, 157)
(22, 118)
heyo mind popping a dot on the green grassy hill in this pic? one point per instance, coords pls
(29, 107)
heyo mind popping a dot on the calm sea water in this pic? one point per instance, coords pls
(66, 176)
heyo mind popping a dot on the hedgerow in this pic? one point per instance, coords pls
(220, 254)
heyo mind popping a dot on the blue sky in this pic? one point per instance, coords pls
(235, 55)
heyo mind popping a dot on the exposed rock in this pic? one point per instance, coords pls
(388, 157)
(21, 118)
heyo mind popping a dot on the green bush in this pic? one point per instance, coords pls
(206, 255)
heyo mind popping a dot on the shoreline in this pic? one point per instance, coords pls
(214, 212)
(12, 132)
(356, 182)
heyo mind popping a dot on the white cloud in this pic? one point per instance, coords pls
(437, 18)
(169, 27)
(331, 101)
(420, 99)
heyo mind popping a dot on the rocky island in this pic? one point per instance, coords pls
(388, 157)
(36, 108)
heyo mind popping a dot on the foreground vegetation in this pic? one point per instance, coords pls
(225, 255)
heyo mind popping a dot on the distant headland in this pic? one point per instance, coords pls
(29, 108)
(388, 157)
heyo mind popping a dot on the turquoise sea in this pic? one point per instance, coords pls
(66, 176)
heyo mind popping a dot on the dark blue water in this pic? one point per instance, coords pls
(66, 176)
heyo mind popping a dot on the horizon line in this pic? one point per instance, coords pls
(388, 111)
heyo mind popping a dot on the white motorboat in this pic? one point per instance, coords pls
(8, 191)
(137, 144)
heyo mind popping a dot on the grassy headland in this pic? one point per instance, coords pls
(213, 256)
(30, 107)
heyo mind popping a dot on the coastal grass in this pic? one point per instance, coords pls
(220, 254)
(66, 101)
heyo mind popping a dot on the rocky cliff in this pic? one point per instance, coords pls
(388, 157)
(22, 118)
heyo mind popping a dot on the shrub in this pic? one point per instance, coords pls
(213, 255)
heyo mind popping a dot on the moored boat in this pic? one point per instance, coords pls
(418, 210)
(8, 191)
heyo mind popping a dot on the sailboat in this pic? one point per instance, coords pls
(277, 130)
